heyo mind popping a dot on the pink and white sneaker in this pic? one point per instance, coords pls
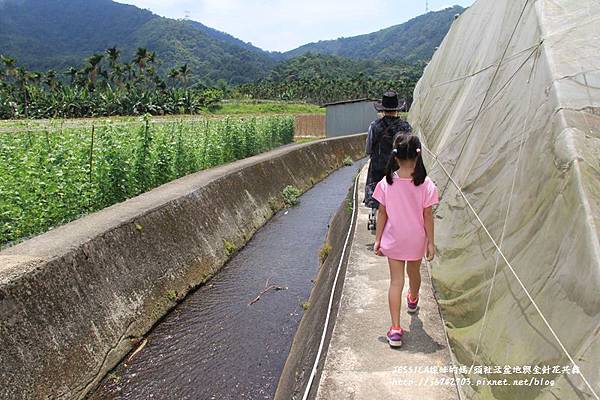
(412, 304)
(394, 336)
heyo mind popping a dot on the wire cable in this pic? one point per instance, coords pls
(509, 265)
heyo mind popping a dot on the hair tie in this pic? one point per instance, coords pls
(418, 150)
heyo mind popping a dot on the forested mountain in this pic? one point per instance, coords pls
(44, 34)
(227, 38)
(57, 34)
(316, 66)
(411, 42)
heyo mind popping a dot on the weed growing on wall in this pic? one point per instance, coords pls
(291, 195)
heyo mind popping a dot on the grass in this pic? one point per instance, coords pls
(229, 107)
(324, 252)
(229, 247)
(307, 140)
(349, 205)
(171, 295)
(114, 377)
(236, 107)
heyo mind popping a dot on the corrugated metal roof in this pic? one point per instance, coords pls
(347, 102)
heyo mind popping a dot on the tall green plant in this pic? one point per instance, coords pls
(142, 172)
(53, 176)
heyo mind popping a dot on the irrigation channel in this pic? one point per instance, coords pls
(215, 345)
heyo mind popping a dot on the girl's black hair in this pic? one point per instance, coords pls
(406, 147)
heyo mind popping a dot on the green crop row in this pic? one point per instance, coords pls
(52, 177)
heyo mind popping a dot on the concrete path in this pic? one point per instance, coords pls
(360, 364)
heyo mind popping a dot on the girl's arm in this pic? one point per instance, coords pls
(428, 217)
(381, 220)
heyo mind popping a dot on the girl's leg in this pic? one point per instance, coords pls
(395, 290)
(413, 270)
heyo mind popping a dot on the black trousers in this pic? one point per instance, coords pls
(373, 177)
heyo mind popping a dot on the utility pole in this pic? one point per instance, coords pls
(426, 6)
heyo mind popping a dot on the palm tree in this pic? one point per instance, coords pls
(72, 73)
(184, 74)
(116, 75)
(23, 78)
(152, 57)
(10, 64)
(113, 55)
(50, 79)
(128, 69)
(141, 56)
(94, 67)
(173, 74)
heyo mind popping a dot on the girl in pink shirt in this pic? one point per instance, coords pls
(404, 225)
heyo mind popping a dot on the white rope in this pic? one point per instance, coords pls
(508, 207)
(508, 264)
(452, 358)
(326, 325)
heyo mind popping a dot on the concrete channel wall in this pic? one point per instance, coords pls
(296, 372)
(74, 301)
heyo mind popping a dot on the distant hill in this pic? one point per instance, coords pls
(45, 34)
(411, 42)
(324, 66)
(227, 38)
(56, 34)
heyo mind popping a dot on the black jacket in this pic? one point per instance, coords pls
(379, 146)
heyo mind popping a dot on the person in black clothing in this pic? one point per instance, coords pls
(379, 146)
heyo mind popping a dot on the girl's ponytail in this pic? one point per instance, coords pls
(420, 172)
(391, 167)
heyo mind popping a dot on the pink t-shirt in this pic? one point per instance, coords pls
(404, 235)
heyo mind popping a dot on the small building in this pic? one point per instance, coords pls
(349, 117)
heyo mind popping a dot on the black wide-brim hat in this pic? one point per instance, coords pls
(389, 102)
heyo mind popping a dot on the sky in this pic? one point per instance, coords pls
(280, 25)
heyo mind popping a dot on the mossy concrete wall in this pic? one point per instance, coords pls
(74, 300)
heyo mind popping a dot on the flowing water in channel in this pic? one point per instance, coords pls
(214, 345)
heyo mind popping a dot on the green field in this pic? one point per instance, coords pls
(229, 107)
(56, 171)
